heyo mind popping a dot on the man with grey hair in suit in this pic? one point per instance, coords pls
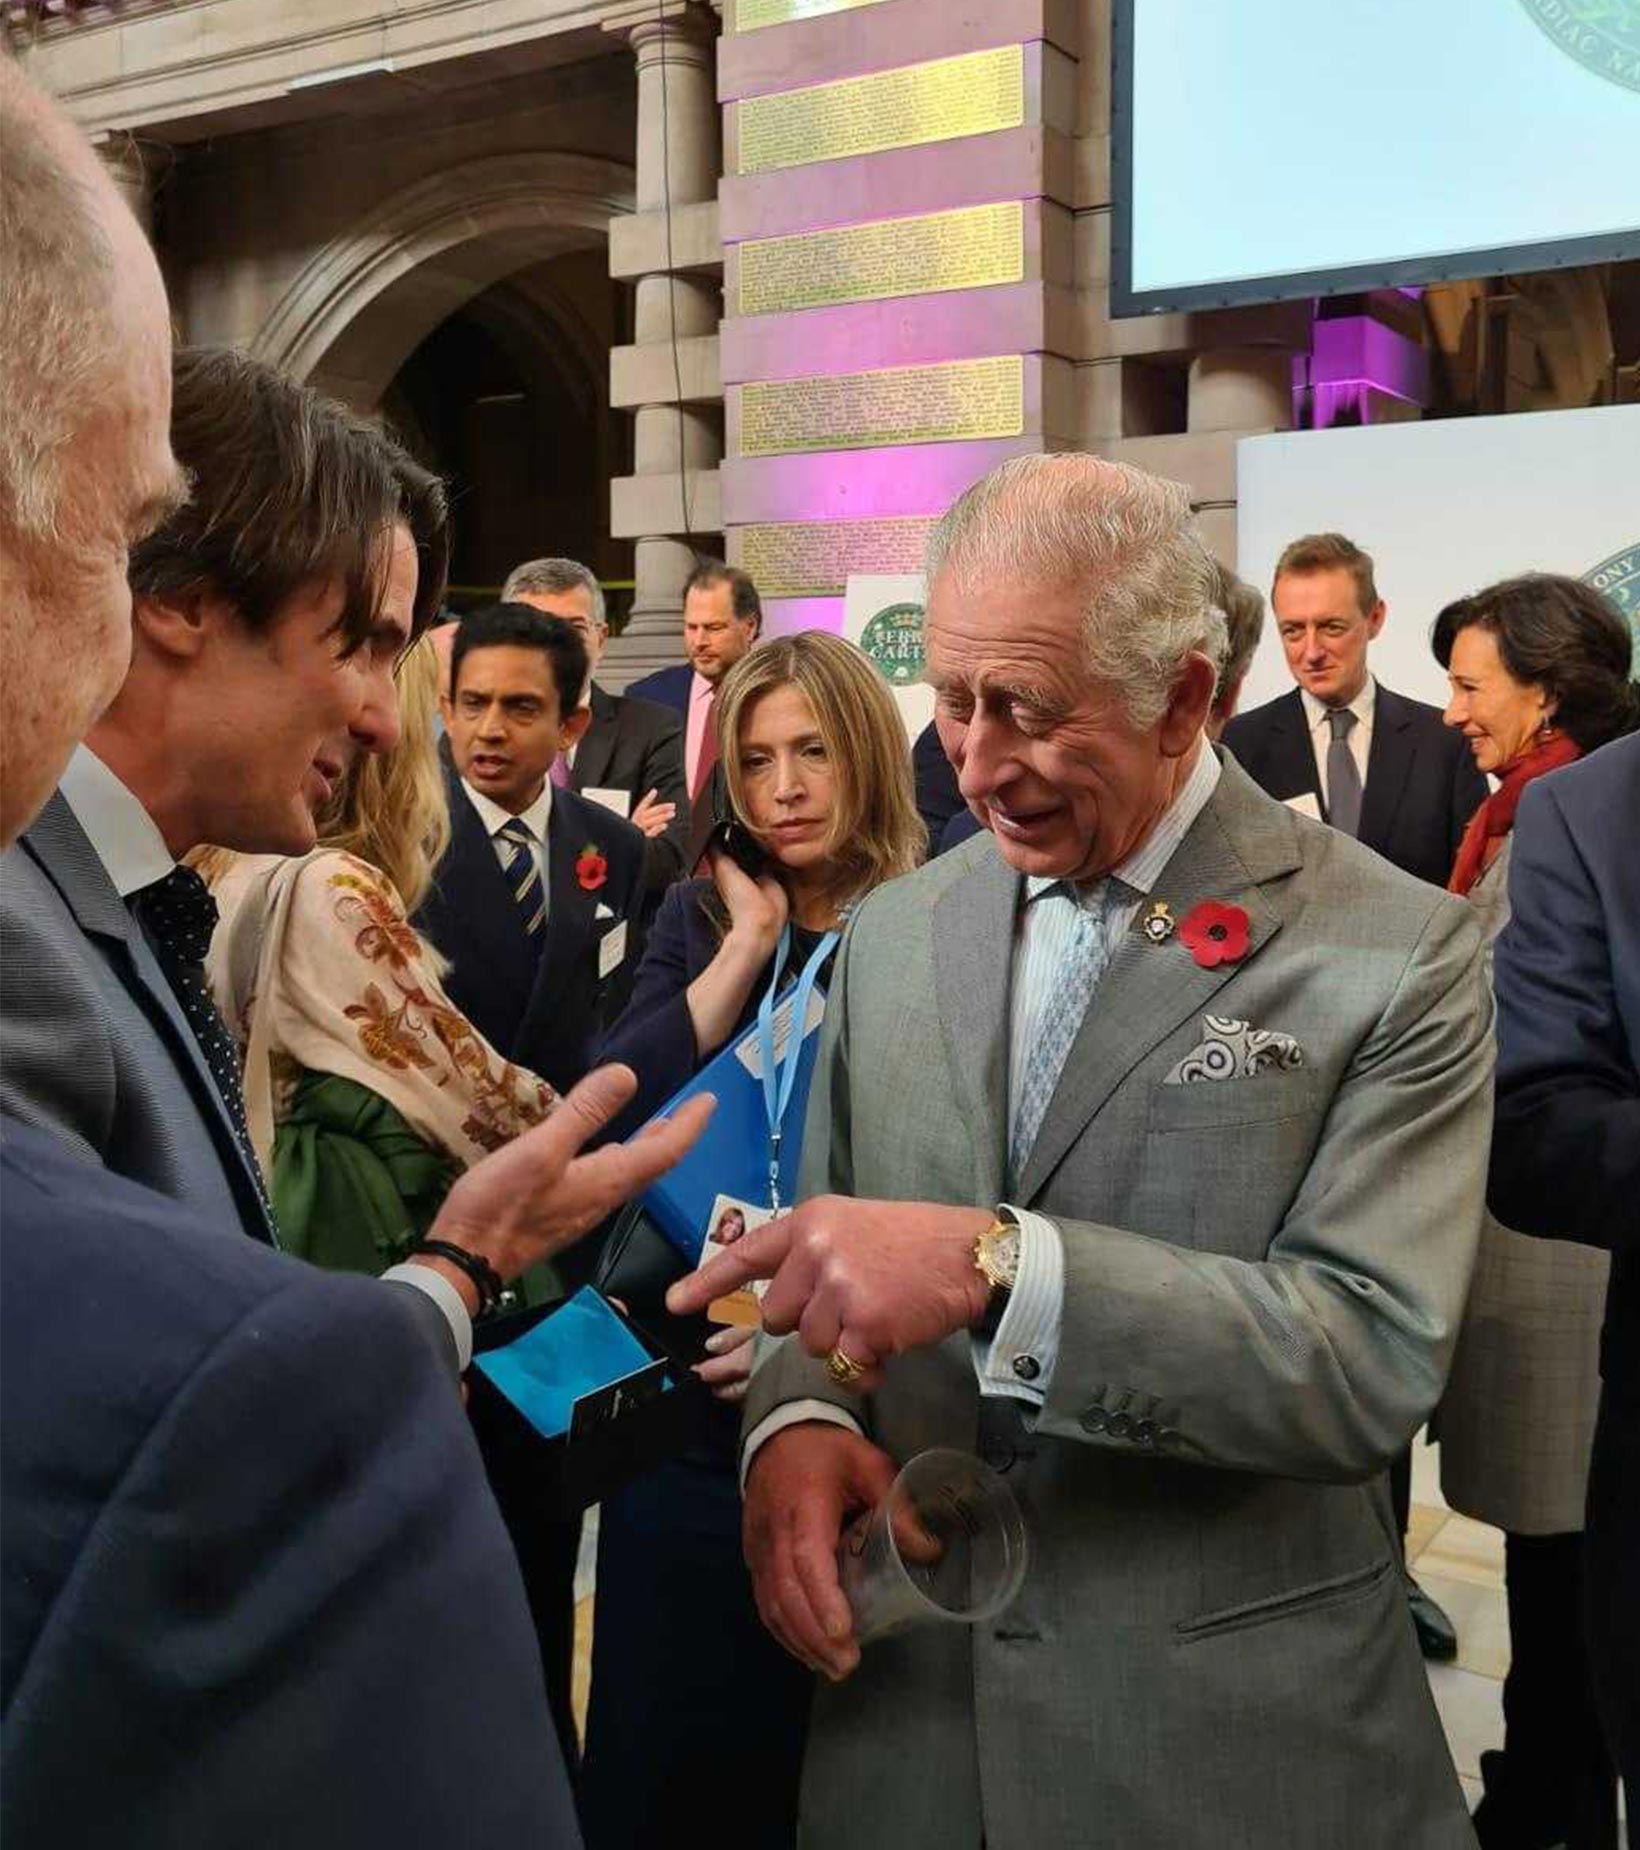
(1145, 1157)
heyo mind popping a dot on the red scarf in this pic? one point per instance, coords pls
(1496, 816)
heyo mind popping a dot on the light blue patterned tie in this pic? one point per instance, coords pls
(524, 876)
(1080, 969)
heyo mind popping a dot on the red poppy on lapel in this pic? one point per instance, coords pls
(591, 869)
(1215, 933)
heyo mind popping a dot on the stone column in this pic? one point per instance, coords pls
(677, 164)
(1246, 388)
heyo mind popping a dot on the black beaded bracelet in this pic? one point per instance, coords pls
(487, 1281)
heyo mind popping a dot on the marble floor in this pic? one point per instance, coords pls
(1458, 1561)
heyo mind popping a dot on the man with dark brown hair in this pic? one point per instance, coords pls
(270, 612)
(254, 1591)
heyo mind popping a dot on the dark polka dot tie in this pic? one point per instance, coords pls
(178, 915)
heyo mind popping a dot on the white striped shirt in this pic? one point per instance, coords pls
(1029, 1330)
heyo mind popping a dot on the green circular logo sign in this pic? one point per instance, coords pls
(1618, 579)
(1603, 35)
(893, 639)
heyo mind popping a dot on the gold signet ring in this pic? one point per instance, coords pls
(843, 1368)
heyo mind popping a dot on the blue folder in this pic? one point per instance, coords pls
(732, 1156)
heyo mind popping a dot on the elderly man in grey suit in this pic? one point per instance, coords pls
(1154, 1125)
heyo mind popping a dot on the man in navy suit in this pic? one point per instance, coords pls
(539, 905)
(722, 619)
(1344, 750)
(251, 1588)
(630, 756)
(539, 900)
(1406, 784)
(1566, 1143)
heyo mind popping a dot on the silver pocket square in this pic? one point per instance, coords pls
(1235, 1050)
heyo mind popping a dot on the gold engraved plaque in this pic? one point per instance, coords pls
(967, 249)
(902, 404)
(973, 94)
(750, 15)
(813, 558)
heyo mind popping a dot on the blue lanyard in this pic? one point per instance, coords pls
(780, 1081)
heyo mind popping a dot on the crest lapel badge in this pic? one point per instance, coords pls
(1158, 924)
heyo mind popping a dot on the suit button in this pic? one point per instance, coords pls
(1120, 1426)
(1027, 1367)
(1094, 1420)
(1144, 1432)
(998, 1454)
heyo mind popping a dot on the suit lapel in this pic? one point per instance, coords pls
(64, 852)
(571, 910)
(597, 748)
(475, 921)
(971, 918)
(1389, 763)
(1236, 845)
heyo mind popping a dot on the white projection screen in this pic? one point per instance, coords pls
(1269, 149)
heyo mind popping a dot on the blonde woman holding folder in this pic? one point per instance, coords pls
(692, 1702)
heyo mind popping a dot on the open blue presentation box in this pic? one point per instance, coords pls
(571, 1400)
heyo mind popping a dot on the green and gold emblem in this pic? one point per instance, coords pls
(893, 639)
(1603, 35)
(1618, 580)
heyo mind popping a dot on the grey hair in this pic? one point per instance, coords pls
(1119, 538)
(57, 338)
(550, 577)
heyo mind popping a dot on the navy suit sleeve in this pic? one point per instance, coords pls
(1566, 1143)
(656, 1034)
(294, 1616)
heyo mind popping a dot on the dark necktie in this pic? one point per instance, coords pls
(524, 877)
(179, 915)
(1343, 780)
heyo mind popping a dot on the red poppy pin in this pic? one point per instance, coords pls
(1214, 933)
(591, 869)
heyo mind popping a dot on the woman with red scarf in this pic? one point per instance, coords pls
(1539, 669)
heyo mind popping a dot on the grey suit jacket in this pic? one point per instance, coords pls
(1263, 1280)
(93, 1043)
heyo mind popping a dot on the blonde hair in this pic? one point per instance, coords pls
(876, 833)
(391, 810)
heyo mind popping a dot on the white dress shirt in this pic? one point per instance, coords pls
(1030, 1324)
(536, 819)
(126, 838)
(1363, 706)
(127, 841)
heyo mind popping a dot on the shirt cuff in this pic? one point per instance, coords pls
(447, 1298)
(793, 1413)
(1019, 1360)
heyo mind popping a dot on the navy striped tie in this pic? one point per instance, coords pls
(524, 875)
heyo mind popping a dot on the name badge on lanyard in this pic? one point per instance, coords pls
(780, 1069)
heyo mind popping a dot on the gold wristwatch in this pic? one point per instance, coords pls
(996, 1254)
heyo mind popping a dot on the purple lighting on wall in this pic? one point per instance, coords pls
(1354, 362)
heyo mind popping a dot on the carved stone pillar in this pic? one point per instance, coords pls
(675, 444)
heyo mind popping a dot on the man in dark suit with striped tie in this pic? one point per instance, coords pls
(538, 900)
(538, 904)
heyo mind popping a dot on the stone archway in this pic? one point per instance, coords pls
(358, 307)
